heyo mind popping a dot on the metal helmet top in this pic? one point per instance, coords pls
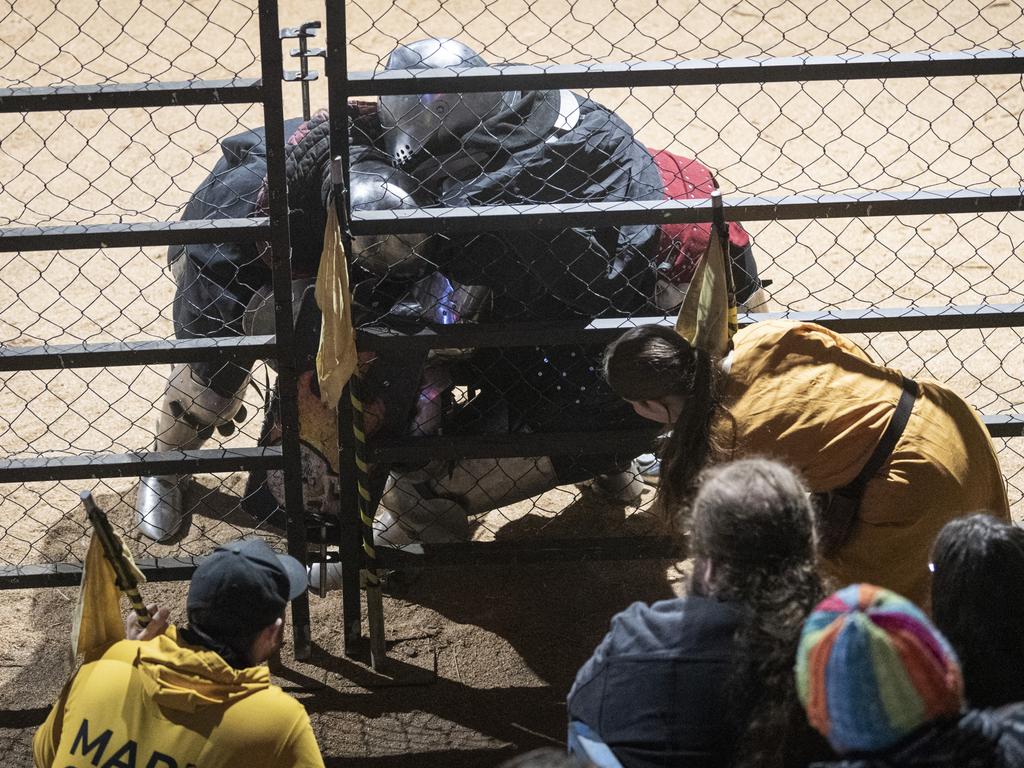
(376, 186)
(433, 53)
(413, 122)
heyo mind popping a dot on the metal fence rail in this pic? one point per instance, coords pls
(717, 71)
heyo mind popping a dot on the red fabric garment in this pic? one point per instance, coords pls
(683, 245)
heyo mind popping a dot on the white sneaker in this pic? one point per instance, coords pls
(649, 468)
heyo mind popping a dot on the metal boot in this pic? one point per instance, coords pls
(626, 486)
(189, 413)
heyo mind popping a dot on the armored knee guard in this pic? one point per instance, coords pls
(432, 504)
(189, 413)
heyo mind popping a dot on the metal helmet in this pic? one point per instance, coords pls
(376, 186)
(414, 122)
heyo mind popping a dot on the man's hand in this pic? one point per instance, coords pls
(157, 624)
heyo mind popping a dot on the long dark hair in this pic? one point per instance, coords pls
(978, 603)
(650, 362)
(752, 521)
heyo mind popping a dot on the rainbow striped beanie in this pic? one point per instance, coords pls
(871, 668)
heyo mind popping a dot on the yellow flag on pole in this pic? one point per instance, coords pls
(97, 620)
(707, 317)
(336, 357)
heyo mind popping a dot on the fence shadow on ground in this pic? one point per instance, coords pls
(516, 615)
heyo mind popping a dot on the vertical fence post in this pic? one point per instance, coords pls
(336, 69)
(272, 64)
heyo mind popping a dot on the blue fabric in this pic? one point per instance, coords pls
(654, 690)
(859, 716)
(588, 745)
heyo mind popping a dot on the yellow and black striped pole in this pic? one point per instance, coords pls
(113, 548)
(370, 575)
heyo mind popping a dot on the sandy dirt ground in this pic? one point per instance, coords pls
(483, 656)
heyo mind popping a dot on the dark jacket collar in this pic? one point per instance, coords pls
(977, 739)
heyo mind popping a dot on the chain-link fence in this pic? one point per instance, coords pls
(111, 122)
(901, 132)
(906, 119)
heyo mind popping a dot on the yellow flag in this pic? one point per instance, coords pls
(336, 357)
(97, 621)
(707, 317)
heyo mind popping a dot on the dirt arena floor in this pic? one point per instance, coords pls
(483, 656)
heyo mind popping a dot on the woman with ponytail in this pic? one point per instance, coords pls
(890, 460)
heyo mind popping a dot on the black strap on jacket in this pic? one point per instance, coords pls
(838, 509)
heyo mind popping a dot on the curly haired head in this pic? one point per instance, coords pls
(752, 533)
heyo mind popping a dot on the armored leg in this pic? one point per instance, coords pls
(432, 504)
(189, 413)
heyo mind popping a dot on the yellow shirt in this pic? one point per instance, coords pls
(810, 397)
(161, 704)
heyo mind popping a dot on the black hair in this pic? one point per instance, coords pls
(650, 362)
(978, 604)
(235, 649)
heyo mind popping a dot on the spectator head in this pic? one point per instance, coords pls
(752, 538)
(751, 519)
(651, 365)
(978, 604)
(237, 598)
(871, 669)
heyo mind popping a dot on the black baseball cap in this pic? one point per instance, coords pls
(242, 587)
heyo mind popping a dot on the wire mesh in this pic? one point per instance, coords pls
(105, 166)
(145, 165)
(56, 42)
(96, 167)
(646, 30)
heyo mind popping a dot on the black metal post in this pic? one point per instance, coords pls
(302, 33)
(336, 69)
(688, 72)
(305, 32)
(304, 71)
(287, 381)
